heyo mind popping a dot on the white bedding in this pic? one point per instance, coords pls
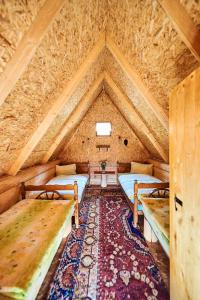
(127, 182)
(81, 179)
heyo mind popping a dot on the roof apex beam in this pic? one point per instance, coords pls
(137, 81)
(189, 33)
(57, 106)
(28, 46)
(76, 116)
(128, 123)
(126, 103)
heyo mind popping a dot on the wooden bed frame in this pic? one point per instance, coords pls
(50, 192)
(160, 170)
(142, 185)
(81, 167)
(136, 187)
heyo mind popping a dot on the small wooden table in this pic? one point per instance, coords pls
(103, 177)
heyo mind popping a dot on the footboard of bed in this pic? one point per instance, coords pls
(144, 185)
(51, 192)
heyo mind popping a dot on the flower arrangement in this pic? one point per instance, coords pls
(103, 165)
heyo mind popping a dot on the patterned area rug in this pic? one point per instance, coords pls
(106, 258)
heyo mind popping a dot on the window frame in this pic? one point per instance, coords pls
(103, 135)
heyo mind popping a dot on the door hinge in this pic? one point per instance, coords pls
(177, 201)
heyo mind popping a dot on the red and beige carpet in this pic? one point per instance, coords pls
(106, 258)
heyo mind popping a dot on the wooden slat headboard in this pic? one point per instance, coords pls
(10, 185)
(160, 169)
(81, 167)
(123, 167)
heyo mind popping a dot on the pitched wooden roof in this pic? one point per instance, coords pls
(56, 57)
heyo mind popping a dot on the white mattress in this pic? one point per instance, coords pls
(81, 179)
(127, 182)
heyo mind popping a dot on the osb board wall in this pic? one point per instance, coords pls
(83, 87)
(16, 18)
(193, 9)
(146, 113)
(82, 146)
(148, 41)
(131, 119)
(65, 46)
(146, 36)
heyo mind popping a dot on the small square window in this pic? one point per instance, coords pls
(103, 128)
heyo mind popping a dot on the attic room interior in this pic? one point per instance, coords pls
(99, 149)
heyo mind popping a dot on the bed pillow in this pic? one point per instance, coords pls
(138, 168)
(66, 170)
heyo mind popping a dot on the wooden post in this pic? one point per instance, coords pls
(76, 206)
(135, 216)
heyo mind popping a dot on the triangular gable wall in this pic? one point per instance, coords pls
(154, 60)
(82, 146)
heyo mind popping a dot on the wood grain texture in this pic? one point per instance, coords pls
(144, 185)
(27, 47)
(10, 186)
(125, 102)
(184, 178)
(123, 167)
(7, 182)
(14, 25)
(57, 106)
(150, 43)
(160, 169)
(82, 145)
(76, 117)
(9, 198)
(62, 51)
(138, 82)
(54, 130)
(184, 25)
(161, 174)
(81, 167)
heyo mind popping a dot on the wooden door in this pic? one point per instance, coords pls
(185, 186)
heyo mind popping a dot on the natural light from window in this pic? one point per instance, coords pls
(103, 128)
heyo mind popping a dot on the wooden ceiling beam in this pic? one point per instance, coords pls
(28, 46)
(127, 121)
(137, 82)
(125, 102)
(76, 117)
(57, 106)
(188, 31)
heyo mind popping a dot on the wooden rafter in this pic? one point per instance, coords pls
(137, 81)
(128, 123)
(76, 117)
(125, 102)
(189, 33)
(57, 106)
(73, 130)
(27, 47)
